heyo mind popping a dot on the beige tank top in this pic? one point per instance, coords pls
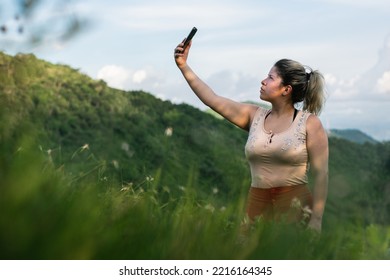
(277, 159)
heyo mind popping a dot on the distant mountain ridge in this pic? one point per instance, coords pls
(353, 135)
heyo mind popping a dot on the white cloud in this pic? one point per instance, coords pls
(147, 79)
(383, 83)
(235, 85)
(139, 76)
(341, 89)
(330, 79)
(115, 76)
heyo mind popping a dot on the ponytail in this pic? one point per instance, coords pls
(314, 97)
(308, 86)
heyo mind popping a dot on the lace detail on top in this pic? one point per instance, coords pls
(253, 136)
(277, 159)
(297, 139)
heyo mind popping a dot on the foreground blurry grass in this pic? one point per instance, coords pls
(46, 213)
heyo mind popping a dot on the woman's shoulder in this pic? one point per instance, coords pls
(317, 136)
(261, 109)
(313, 123)
(255, 112)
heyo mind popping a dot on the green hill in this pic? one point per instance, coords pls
(126, 131)
(88, 171)
(352, 135)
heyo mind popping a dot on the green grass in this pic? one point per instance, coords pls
(47, 213)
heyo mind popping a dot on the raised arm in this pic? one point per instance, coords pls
(317, 146)
(239, 114)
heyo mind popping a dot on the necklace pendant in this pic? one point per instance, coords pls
(269, 140)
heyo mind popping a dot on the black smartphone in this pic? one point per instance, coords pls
(189, 37)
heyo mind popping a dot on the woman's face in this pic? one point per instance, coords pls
(271, 87)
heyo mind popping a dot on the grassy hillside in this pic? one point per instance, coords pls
(127, 132)
(91, 172)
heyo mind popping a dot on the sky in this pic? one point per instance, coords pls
(130, 44)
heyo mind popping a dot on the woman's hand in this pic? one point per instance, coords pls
(181, 54)
(315, 224)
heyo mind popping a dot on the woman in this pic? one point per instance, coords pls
(283, 142)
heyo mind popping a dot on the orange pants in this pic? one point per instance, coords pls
(276, 203)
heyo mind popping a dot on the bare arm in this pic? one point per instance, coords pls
(317, 146)
(238, 113)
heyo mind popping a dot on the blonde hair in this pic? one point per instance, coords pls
(308, 86)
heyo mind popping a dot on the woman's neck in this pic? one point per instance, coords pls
(280, 110)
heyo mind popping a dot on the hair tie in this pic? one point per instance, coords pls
(308, 72)
(308, 76)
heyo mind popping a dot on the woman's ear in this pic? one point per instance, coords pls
(287, 90)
